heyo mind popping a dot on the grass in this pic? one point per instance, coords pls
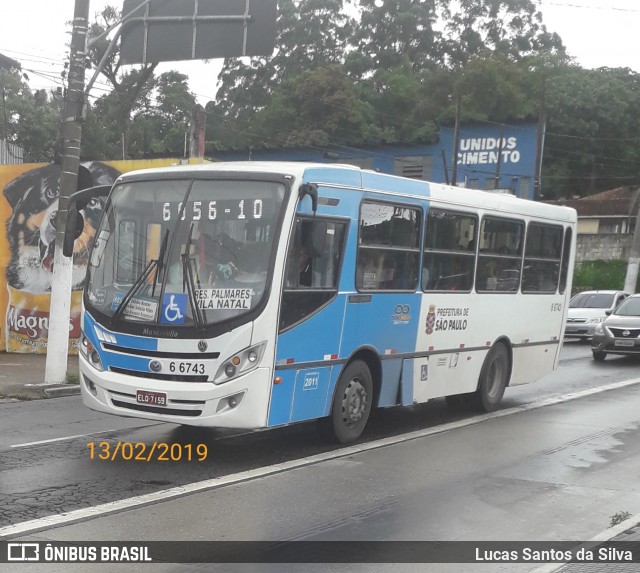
(72, 378)
(619, 517)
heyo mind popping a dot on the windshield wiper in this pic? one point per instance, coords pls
(189, 281)
(135, 287)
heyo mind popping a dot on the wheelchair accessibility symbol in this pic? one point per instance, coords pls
(174, 308)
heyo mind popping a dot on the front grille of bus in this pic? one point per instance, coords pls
(617, 332)
(156, 409)
(159, 354)
(165, 377)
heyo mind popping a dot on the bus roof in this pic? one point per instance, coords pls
(350, 176)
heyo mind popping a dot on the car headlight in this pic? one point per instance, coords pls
(240, 363)
(596, 319)
(599, 329)
(90, 352)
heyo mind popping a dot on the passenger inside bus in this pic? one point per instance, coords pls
(217, 258)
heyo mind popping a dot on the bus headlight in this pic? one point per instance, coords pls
(240, 363)
(599, 330)
(90, 352)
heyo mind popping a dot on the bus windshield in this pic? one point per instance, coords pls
(184, 252)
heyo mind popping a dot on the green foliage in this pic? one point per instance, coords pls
(30, 120)
(618, 518)
(601, 275)
(593, 131)
(72, 378)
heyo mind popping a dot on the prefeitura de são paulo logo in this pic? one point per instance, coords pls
(431, 318)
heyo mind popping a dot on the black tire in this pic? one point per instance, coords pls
(352, 402)
(493, 380)
(599, 356)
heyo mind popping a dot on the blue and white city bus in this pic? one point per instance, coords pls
(254, 295)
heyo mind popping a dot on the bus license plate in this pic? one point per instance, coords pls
(151, 398)
(624, 343)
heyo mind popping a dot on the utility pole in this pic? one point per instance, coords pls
(198, 127)
(631, 277)
(74, 109)
(456, 137)
(537, 182)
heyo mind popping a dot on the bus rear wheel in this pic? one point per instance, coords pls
(352, 402)
(493, 380)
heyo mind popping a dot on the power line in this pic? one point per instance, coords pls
(608, 7)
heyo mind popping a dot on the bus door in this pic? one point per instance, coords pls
(311, 314)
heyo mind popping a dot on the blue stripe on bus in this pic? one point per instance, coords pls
(317, 339)
(124, 341)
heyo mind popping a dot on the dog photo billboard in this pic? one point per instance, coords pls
(28, 205)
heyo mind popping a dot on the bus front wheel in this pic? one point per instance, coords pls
(493, 380)
(352, 402)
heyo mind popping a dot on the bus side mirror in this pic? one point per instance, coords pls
(75, 220)
(75, 225)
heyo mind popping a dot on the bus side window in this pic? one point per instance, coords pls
(543, 251)
(310, 282)
(449, 251)
(500, 255)
(388, 247)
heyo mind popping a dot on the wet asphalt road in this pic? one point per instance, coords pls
(48, 478)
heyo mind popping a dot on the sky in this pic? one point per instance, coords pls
(35, 32)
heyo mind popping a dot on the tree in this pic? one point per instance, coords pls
(510, 27)
(161, 127)
(31, 121)
(130, 88)
(311, 34)
(394, 33)
(593, 131)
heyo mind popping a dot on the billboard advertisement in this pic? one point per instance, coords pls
(28, 204)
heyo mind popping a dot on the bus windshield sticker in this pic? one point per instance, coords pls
(224, 298)
(140, 308)
(369, 280)
(174, 308)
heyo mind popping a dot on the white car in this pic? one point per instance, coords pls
(588, 309)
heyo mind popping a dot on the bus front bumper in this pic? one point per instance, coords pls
(239, 403)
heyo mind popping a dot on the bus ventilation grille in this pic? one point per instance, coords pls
(156, 410)
(154, 376)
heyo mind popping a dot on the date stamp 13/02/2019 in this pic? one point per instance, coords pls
(142, 452)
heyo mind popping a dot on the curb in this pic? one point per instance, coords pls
(606, 535)
(60, 391)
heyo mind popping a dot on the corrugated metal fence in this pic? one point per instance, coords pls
(10, 153)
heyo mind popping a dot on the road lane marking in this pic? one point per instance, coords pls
(63, 438)
(84, 514)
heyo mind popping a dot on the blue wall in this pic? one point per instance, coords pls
(482, 150)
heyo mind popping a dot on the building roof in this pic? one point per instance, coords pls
(612, 203)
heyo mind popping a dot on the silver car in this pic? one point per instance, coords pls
(588, 309)
(620, 332)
